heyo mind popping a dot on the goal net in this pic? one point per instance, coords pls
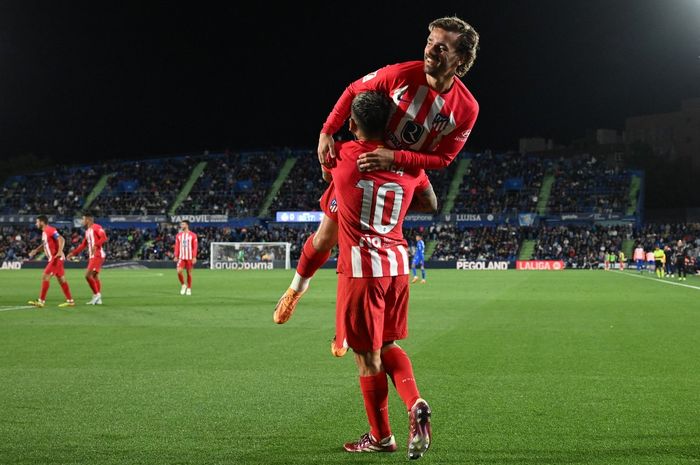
(250, 255)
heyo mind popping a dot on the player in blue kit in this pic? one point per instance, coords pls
(419, 259)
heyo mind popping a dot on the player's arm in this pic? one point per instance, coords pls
(194, 249)
(35, 250)
(378, 80)
(424, 198)
(177, 248)
(78, 249)
(446, 151)
(61, 245)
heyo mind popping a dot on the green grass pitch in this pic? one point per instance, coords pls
(572, 367)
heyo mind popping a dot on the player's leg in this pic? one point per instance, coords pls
(422, 271)
(181, 277)
(91, 284)
(188, 268)
(360, 306)
(61, 277)
(398, 366)
(414, 263)
(375, 392)
(315, 253)
(45, 283)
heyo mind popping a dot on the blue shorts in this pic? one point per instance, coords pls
(418, 261)
(640, 263)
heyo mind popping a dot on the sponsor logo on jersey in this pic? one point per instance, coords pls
(464, 136)
(411, 132)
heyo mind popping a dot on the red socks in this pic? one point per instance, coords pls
(398, 367)
(98, 284)
(181, 278)
(66, 290)
(92, 284)
(311, 259)
(44, 290)
(375, 391)
(189, 280)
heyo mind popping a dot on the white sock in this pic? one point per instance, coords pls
(299, 283)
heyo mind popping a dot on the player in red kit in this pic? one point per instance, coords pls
(434, 113)
(185, 255)
(52, 243)
(95, 238)
(373, 268)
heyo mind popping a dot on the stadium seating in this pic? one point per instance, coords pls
(143, 187)
(233, 184)
(501, 184)
(61, 191)
(585, 184)
(579, 246)
(303, 187)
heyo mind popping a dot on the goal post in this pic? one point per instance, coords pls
(250, 255)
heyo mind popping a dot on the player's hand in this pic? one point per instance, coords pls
(326, 149)
(61, 255)
(32, 253)
(379, 159)
(176, 259)
(194, 261)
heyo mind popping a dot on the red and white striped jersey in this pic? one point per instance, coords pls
(186, 245)
(94, 238)
(49, 237)
(428, 128)
(371, 210)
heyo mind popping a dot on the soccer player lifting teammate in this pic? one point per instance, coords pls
(433, 115)
(52, 243)
(373, 268)
(185, 256)
(95, 237)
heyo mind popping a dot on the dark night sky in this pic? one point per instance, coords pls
(107, 81)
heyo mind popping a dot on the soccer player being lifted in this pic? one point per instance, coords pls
(52, 243)
(95, 237)
(185, 256)
(372, 296)
(419, 259)
(432, 117)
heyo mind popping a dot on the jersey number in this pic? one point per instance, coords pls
(368, 198)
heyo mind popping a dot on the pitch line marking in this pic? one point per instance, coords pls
(657, 280)
(17, 307)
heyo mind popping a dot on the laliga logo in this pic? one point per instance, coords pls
(556, 265)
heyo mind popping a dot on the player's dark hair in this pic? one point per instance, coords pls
(88, 215)
(43, 219)
(370, 111)
(187, 222)
(468, 42)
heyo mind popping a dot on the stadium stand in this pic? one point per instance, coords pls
(501, 183)
(143, 187)
(579, 246)
(585, 184)
(474, 244)
(61, 191)
(233, 184)
(303, 187)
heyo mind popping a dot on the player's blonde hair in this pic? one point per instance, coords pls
(468, 42)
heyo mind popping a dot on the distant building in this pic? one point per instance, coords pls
(674, 135)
